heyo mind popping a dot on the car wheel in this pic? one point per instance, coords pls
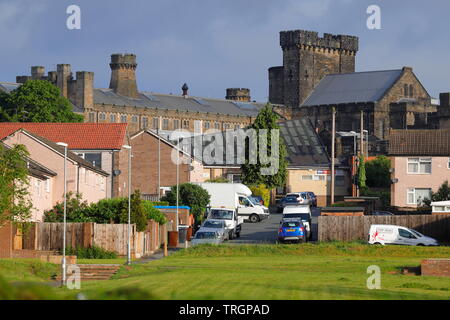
(377, 244)
(420, 245)
(230, 236)
(238, 235)
(254, 218)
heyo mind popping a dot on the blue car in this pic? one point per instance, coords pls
(291, 231)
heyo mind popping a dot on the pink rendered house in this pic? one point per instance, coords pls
(47, 183)
(420, 161)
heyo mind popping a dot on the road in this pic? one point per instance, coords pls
(266, 230)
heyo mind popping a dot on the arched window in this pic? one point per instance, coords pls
(405, 90)
(411, 90)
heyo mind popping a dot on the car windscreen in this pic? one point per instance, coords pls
(303, 216)
(221, 214)
(291, 224)
(254, 200)
(416, 233)
(205, 235)
(290, 199)
(213, 224)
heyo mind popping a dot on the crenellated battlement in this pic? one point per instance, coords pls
(311, 40)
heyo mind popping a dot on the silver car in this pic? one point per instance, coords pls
(207, 236)
(217, 224)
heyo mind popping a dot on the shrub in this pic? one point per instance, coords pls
(93, 252)
(263, 191)
(138, 215)
(377, 172)
(153, 213)
(191, 195)
(77, 210)
(218, 180)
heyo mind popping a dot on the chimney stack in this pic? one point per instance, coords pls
(238, 94)
(185, 89)
(123, 75)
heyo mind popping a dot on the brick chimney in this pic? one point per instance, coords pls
(123, 75)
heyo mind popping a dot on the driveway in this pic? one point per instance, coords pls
(266, 230)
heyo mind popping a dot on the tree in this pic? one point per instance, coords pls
(362, 174)
(262, 191)
(377, 172)
(15, 204)
(251, 173)
(191, 195)
(37, 101)
(443, 194)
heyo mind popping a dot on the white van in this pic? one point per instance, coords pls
(389, 234)
(299, 212)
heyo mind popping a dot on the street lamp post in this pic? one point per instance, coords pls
(129, 205)
(367, 141)
(63, 264)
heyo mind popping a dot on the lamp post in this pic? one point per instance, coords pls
(367, 141)
(129, 205)
(63, 264)
(178, 177)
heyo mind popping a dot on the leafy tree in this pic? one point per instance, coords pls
(37, 101)
(362, 174)
(443, 194)
(76, 211)
(15, 204)
(138, 214)
(251, 173)
(191, 195)
(377, 172)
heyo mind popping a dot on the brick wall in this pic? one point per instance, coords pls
(436, 267)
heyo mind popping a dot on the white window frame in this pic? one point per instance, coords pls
(419, 162)
(102, 116)
(413, 191)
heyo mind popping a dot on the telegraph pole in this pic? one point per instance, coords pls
(333, 138)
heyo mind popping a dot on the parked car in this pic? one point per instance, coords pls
(300, 212)
(291, 230)
(216, 225)
(382, 213)
(233, 221)
(389, 234)
(257, 200)
(302, 197)
(286, 201)
(313, 198)
(207, 237)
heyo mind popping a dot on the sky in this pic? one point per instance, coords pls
(217, 44)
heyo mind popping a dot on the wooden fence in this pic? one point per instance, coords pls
(48, 236)
(357, 228)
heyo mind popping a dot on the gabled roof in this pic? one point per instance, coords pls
(357, 87)
(150, 100)
(419, 142)
(59, 149)
(8, 86)
(79, 136)
(303, 144)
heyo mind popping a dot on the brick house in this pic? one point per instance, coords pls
(420, 161)
(82, 176)
(99, 144)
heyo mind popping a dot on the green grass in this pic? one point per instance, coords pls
(102, 261)
(27, 270)
(310, 271)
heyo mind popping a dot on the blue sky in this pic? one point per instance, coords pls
(216, 44)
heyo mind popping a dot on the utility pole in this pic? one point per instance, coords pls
(333, 138)
(361, 137)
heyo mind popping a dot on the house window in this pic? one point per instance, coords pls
(112, 118)
(226, 126)
(94, 158)
(197, 126)
(313, 177)
(91, 117)
(176, 124)
(217, 125)
(47, 185)
(411, 91)
(134, 119)
(307, 178)
(145, 122)
(237, 127)
(419, 165)
(165, 124)
(417, 196)
(102, 116)
(405, 90)
(185, 124)
(206, 125)
(155, 123)
(123, 118)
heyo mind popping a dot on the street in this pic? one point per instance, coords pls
(266, 230)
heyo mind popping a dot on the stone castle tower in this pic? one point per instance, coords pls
(123, 75)
(307, 58)
(238, 94)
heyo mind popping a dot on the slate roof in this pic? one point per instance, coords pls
(419, 142)
(79, 136)
(8, 86)
(358, 87)
(303, 144)
(152, 100)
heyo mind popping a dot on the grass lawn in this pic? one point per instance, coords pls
(309, 271)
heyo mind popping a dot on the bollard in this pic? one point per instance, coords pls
(165, 249)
